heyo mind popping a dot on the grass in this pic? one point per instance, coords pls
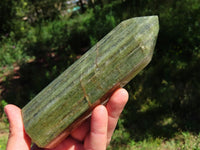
(181, 141)
(3, 141)
(3, 134)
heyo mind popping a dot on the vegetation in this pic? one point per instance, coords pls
(181, 141)
(163, 110)
(3, 132)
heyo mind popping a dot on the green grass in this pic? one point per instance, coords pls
(3, 141)
(3, 134)
(181, 141)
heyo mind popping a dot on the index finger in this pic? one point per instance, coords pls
(114, 107)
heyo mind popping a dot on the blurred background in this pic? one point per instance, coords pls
(40, 39)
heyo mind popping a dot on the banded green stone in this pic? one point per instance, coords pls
(111, 63)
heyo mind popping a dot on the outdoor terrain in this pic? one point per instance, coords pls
(40, 39)
(3, 134)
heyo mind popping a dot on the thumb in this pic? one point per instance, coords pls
(18, 139)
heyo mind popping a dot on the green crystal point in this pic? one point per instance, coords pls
(108, 65)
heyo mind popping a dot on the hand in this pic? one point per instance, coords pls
(94, 134)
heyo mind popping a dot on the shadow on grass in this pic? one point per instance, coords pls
(161, 105)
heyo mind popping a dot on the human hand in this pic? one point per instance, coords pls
(94, 134)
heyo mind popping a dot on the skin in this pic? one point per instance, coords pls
(94, 134)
